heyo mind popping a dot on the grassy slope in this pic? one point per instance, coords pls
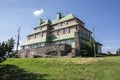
(61, 69)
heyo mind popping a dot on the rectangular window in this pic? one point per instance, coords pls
(67, 30)
(44, 34)
(62, 42)
(55, 33)
(55, 43)
(69, 42)
(28, 37)
(41, 34)
(39, 45)
(61, 31)
(72, 29)
(42, 44)
(59, 25)
(23, 47)
(26, 47)
(40, 28)
(77, 27)
(64, 23)
(35, 36)
(32, 45)
(32, 36)
(44, 27)
(72, 40)
(35, 45)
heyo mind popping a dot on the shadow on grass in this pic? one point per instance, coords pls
(12, 72)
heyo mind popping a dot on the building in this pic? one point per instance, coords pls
(63, 30)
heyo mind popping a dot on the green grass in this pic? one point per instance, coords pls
(107, 68)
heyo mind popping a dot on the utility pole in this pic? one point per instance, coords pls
(94, 43)
(18, 37)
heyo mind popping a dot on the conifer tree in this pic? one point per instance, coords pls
(6, 48)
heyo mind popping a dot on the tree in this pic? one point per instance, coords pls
(6, 49)
(87, 48)
(118, 52)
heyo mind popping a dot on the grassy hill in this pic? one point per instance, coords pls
(107, 68)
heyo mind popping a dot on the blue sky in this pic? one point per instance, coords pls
(104, 15)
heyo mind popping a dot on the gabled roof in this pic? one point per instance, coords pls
(67, 17)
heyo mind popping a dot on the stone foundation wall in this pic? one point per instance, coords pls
(51, 50)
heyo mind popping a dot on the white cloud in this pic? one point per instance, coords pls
(38, 12)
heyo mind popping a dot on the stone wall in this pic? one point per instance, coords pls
(47, 51)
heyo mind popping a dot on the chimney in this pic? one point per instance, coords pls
(40, 21)
(58, 16)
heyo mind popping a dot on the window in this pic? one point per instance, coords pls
(69, 42)
(76, 28)
(44, 34)
(32, 45)
(67, 30)
(26, 47)
(72, 29)
(40, 28)
(41, 35)
(42, 44)
(37, 28)
(35, 36)
(44, 27)
(55, 43)
(55, 33)
(39, 45)
(36, 45)
(72, 40)
(29, 38)
(23, 47)
(64, 23)
(59, 25)
(62, 42)
(61, 31)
